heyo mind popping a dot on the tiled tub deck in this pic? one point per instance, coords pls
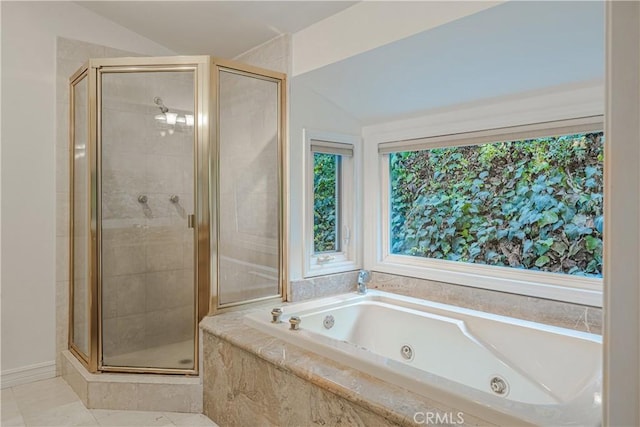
(251, 378)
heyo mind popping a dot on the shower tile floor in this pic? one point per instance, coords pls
(52, 403)
(163, 356)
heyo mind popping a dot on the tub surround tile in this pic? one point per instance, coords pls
(259, 394)
(171, 398)
(323, 286)
(556, 313)
(253, 378)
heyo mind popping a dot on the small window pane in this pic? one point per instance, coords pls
(326, 202)
(532, 204)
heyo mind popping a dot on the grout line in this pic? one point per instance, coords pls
(15, 401)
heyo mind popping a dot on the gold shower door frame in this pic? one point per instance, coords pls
(219, 65)
(206, 184)
(85, 359)
(200, 66)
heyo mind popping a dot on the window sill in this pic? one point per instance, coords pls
(332, 267)
(572, 289)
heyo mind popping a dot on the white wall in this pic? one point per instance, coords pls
(29, 31)
(311, 111)
(307, 109)
(622, 217)
(561, 102)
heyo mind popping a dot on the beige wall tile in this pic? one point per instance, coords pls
(567, 315)
(113, 395)
(62, 258)
(75, 380)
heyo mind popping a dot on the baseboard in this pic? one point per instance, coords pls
(28, 374)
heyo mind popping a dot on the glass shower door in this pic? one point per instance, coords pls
(250, 203)
(147, 225)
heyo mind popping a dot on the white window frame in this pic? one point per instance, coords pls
(349, 256)
(576, 289)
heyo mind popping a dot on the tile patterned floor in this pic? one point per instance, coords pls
(52, 403)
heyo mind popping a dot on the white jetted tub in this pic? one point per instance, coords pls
(493, 367)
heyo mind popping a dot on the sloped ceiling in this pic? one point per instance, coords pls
(221, 28)
(514, 47)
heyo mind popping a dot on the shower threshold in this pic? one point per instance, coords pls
(171, 356)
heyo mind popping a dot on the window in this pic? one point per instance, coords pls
(528, 208)
(326, 202)
(330, 204)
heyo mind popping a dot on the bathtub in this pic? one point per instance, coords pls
(504, 370)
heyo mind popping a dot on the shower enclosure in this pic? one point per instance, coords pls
(177, 204)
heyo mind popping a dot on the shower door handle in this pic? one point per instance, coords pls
(191, 220)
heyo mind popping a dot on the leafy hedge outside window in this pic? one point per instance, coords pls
(533, 204)
(326, 168)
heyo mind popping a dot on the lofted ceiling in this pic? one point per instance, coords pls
(221, 28)
(515, 47)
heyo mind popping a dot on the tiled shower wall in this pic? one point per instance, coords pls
(148, 263)
(70, 55)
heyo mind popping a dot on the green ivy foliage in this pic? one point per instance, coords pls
(325, 167)
(531, 204)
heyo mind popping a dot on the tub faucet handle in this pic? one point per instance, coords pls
(275, 315)
(364, 277)
(294, 321)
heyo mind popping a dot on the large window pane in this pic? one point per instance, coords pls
(531, 204)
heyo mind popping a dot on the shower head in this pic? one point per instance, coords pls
(158, 101)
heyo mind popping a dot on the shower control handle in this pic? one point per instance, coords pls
(174, 198)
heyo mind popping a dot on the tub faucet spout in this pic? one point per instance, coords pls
(364, 277)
